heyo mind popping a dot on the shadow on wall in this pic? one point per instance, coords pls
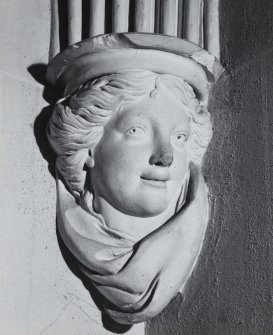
(38, 72)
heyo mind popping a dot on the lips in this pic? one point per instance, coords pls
(156, 177)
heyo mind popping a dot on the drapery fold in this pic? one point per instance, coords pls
(138, 278)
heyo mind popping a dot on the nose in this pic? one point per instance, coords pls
(163, 155)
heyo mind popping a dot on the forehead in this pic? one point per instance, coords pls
(161, 107)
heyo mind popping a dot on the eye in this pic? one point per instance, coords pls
(180, 138)
(136, 131)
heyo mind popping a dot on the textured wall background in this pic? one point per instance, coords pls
(39, 293)
(231, 292)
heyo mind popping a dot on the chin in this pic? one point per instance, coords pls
(152, 207)
(145, 204)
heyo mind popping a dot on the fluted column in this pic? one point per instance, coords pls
(54, 47)
(120, 15)
(169, 17)
(144, 15)
(193, 21)
(211, 27)
(180, 19)
(74, 21)
(97, 17)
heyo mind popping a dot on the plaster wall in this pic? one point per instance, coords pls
(231, 291)
(39, 293)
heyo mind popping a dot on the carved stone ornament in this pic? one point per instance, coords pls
(130, 135)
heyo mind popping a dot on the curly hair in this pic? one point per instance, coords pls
(77, 122)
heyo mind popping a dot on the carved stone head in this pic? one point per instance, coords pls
(130, 137)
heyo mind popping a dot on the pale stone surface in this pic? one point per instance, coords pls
(120, 16)
(170, 17)
(129, 148)
(74, 21)
(97, 19)
(39, 294)
(193, 26)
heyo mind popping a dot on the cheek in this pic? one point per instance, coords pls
(180, 164)
(118, 160)
(134, 158)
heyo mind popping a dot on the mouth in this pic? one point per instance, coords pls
(156, 179)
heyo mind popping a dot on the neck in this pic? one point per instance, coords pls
(136, 227)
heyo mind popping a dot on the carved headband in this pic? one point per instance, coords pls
(105, 54)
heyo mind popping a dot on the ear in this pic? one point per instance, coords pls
(90, 162)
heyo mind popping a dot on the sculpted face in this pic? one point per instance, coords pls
(140, 162)
(134, 125)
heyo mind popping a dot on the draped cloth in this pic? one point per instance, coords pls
(138, 278)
